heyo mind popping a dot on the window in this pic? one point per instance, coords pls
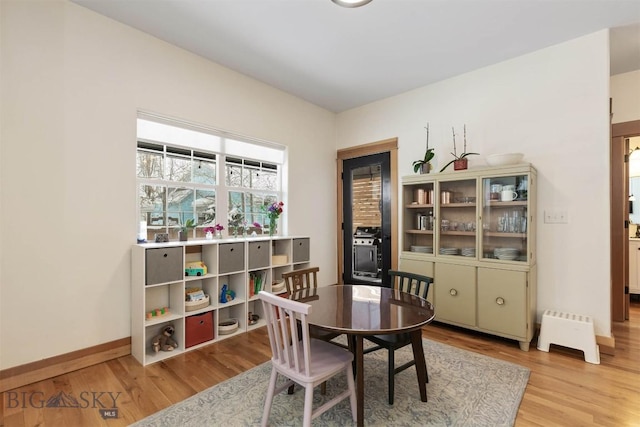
(178, 170)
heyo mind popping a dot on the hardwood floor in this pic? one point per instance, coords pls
(563, 390)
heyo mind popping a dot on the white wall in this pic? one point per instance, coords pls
(625, 91)
(552, 105)
(72, 83)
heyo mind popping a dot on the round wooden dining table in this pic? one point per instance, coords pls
(361, 310)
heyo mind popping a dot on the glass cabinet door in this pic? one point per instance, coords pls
(457, 218)
(418, 217)
(504, 218)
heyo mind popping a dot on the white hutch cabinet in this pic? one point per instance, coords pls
(473, 231)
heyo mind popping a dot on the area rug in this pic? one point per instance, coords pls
(464, 389)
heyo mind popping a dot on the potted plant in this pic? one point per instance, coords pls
(273, 212)
(424, 165)
(459, 162)
(211, 231)
(188, 225)
(236, 219)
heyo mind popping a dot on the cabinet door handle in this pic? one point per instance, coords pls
(453, 292)
(500, 301)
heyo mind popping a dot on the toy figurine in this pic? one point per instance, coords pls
(165, 341)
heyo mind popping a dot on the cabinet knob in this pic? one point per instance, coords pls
(453, 292)
(500, 301)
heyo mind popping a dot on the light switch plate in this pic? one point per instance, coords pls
(556, 216)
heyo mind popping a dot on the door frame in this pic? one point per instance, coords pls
(619, 212)
(387, 145)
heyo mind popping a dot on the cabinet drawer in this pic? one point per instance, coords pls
(301, 250)
(455, 293)
(199, 329)
(231, 257)
(163, 265)
(258, 255)
(502, 301)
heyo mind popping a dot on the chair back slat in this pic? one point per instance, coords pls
(290, 344)
(412, 283)
(301, 279)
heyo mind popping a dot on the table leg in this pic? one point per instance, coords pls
(359, 379)
(421, 365)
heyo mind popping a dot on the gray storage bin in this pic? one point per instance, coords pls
(258, 255)
(231, 257)
(164, 265)
(301, 250)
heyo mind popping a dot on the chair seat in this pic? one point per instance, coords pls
(326, 360)
(390, 340)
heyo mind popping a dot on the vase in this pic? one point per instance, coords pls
(219, 234)
(460, 164)
(425, 168)
(209, 235)
(273, 224)
(183, 235)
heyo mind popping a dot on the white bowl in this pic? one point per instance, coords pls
(504, 159)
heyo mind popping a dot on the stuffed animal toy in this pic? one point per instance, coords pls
(165, 341)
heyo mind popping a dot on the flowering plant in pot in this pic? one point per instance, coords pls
(424, 165)
(459, 162)
(273, 212)
(216, 230)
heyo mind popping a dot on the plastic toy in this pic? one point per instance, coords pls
(157, 312)
(195, 268)
(226, 294)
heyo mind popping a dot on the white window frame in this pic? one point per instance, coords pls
(173, 134)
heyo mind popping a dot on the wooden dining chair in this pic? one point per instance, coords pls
(301, 279)
(306, 279)
(415, 284)
(303, 360)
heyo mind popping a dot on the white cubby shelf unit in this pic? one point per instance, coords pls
(158, 282)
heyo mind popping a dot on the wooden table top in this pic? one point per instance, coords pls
(364, 309)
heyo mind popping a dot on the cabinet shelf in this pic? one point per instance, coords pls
(161, 319)
(458, 233)
(419, 206)
(158, 280)
(500, 234)
(419, 231)
(192, 278)
(513, 204)
(457, 205)
(157, 285)
(210, 307)
(231, 303)
(153, 357)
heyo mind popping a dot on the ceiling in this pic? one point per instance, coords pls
(340, 58)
